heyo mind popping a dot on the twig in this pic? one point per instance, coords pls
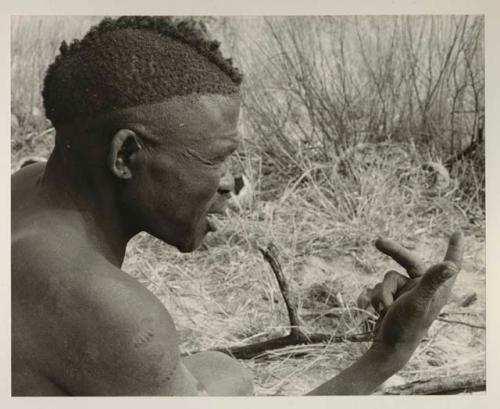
(441, 385)
(474, 313)
(461, 323)
(253, 350)
(270, 255)
(467, 151)
(468, 300)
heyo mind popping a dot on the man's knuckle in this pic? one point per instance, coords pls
(412, 270)
(451, 265)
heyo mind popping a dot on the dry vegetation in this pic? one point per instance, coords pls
(339, 116)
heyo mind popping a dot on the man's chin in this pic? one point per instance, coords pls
(196, 240)
(187, 248)
(186, 243)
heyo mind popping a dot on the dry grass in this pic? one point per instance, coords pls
(322, 215)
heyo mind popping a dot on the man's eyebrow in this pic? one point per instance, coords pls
(225, 152)
(230, 148)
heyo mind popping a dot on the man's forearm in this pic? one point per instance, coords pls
(365, 375)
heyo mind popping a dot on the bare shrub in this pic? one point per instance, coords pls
(317, 86)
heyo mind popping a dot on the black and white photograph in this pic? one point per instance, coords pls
(247, 205)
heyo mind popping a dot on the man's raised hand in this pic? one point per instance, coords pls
(409, 305)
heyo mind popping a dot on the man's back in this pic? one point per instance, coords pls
(31, 316)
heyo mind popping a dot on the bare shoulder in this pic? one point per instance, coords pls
(98, 331)
(23, 181)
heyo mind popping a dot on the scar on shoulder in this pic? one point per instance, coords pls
(145, 334)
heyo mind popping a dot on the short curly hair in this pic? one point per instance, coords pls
(135, 60)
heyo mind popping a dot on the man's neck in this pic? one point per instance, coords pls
(91, 194)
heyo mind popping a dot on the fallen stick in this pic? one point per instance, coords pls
(468, 299)
(271, 256)
(296, 335)
(253, 350)
(467, 324)
(444, 385)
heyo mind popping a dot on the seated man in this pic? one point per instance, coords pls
(146, 114)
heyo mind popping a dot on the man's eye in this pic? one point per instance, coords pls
(218, 160)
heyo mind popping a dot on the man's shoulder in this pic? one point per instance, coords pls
(28, 173)
(23, 183)
(116, 326)
(44, 247)
(58, 258)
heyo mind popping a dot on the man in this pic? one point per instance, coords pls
(146, 115)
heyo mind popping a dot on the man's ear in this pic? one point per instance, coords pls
(124, 145)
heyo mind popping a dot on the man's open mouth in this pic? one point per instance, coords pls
(211, 224)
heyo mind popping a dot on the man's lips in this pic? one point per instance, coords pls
(218, 208)
(220, 204)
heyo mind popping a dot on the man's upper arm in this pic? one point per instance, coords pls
(125, 343)
(94, 329)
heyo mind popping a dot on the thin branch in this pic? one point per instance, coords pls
(260, 348)
(461, 323)
(441, 385)
(270, 255)
(463, 154)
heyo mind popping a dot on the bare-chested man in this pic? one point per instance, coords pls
(146, 114)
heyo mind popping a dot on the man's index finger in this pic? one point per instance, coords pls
(455, 249)
(405, 258)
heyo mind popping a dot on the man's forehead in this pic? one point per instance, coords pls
(214, 105)
(199, 107)
(194, 115)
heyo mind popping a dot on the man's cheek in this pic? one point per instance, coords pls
(204, 188)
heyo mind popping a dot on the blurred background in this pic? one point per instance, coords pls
(353, 127)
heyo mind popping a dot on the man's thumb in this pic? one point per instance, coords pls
(435, 277)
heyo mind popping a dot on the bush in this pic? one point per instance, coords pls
(318, 86)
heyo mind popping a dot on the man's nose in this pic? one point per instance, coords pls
(226, 184)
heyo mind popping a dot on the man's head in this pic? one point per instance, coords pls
(163, 103)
